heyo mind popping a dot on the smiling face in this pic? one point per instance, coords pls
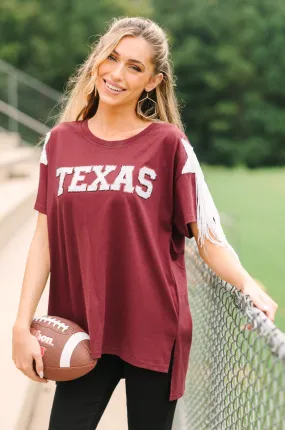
(126, 72)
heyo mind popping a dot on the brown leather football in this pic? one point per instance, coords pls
(65, 348)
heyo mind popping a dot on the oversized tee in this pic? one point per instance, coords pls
(117, 215)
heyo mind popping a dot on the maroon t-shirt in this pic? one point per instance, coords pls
(117, 214)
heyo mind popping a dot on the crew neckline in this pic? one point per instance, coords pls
(113, 143)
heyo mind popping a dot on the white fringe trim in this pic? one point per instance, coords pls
(208, 218)
(43, 158)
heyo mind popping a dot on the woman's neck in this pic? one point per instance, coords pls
(115, 122)
(115, 134)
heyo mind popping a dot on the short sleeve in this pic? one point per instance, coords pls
(193, 201)
(41, 199)
(185, 204)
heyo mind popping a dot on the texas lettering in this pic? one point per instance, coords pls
(124, 180)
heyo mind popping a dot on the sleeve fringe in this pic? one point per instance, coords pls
(43, 158)
(208, 219)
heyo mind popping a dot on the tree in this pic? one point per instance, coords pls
(48, 39)
(230, 74)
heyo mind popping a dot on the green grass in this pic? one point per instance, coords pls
(255, 200)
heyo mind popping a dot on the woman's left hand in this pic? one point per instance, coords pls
(225, 263)
(260, 299)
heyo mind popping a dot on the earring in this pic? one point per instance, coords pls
(147, 100)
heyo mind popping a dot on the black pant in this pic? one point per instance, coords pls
(79, 404)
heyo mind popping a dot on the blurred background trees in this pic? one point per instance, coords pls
(227, 55)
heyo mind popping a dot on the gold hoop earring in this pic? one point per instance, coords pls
(148, 108)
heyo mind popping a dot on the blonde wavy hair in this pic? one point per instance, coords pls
(80, 99)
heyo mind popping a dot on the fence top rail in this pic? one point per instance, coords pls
(272, 335)
(21, 117)
(29, 80)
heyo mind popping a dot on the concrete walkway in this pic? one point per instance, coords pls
(14, 385)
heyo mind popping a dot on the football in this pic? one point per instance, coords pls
(65, 348)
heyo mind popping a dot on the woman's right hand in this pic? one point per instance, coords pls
(26, 349)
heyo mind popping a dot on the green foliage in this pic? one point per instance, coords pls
(230, 69)
(227, 54)
(48, 39)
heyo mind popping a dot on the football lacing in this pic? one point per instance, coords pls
(53, 321)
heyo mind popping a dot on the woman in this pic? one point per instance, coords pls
(120, 188)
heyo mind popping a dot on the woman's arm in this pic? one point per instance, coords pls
(228, 267)
(26, 348)
(35, 276)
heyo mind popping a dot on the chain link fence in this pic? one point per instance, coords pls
(236, 377)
